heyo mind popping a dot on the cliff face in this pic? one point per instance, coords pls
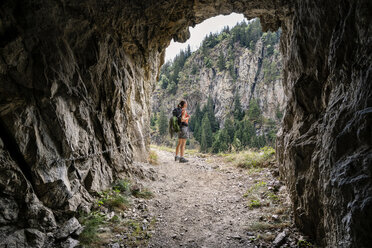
(75, 80)
(250, 73)
(325, 145)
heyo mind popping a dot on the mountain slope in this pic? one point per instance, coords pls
(239, 63)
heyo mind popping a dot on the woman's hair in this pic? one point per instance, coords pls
(181, 104)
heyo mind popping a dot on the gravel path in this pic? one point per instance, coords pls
(201, 204)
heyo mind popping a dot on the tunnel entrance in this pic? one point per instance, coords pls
(76, 79)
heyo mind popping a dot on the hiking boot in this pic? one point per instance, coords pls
(176, 158)
(183, 160)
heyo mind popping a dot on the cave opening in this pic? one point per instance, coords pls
(324, 146)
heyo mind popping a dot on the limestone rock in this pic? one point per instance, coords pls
(68, 228)
(70, 243)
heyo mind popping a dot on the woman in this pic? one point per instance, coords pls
(183, 133)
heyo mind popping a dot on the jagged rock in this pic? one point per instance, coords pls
(279, 239)
(35, 238)
(70, 243)
(8, 210)
(68, 228)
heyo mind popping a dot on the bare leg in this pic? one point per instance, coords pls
(178, 146)
(183, 145)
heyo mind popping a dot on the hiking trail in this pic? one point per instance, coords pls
(201, 204)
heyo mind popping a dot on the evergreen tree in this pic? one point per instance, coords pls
(220, 143)
(230, 130)
(249, 133)
(194, 69)
(238, 111)
(197, 132)
(209, 109)
(164, 81)
(221, 62)
(163, 123)
(206, 134)
(153, 120)
(254, 111)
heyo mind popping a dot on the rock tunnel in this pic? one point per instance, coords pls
(76, 80)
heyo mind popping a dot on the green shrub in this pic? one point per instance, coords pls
(91, 223)
(122, 186)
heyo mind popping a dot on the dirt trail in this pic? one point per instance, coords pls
(201, 204)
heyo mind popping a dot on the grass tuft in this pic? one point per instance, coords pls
(91, 223)
(153, 158)
(123, 186)
(251, 159)
(144, 193)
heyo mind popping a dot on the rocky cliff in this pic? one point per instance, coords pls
(75, 80)
(252, 72)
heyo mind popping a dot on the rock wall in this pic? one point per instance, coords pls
(69, 88)
(76, 76)
(325, 147)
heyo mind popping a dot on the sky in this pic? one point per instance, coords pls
(197, 34)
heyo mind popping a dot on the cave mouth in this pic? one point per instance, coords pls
(76, 77)
(239, 55)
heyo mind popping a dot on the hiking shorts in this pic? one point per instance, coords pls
(183, 133)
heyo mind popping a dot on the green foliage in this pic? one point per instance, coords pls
(278, 113)
(153, 157)
(254, 112)
(303, 243)
(122, 185)
(172, 88)
(209, 109)
(247, 34)
(254, 203)
(206, 134)
(229, 127)
(164, 81)
(208, 62)
(210, 41)
(270, 71)
(145, 193)
(91, 223)
(221, 141)
(153, 120)
(113, 199)
(238, 111)
(221, 62)
(163, 123)
(194, 69)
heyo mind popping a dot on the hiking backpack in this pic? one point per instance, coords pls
(175, 121)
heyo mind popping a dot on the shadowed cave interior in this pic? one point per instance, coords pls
(77, 77)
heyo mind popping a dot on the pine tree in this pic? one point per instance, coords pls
(229, 127)
(254, 111)
(249, 132)
(221, 62)
(206, 134)
(164, 81)
(209, 109)
(195, 118)
(197, 132)
(238, 111)
(163, 123)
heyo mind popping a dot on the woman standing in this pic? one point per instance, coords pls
(183, 133)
